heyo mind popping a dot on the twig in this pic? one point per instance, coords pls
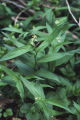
(20, 18)
(16, 19)
(78, 23)
(14, 3)
(31, 11)
(73, 35)
(22, 2)
(47, 6)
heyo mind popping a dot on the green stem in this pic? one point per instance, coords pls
(35, 65)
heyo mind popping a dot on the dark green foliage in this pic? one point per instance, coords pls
(39, 60)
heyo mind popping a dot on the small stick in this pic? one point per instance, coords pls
(22, 2)
(14, 3)
(78, 23)
(16, 19)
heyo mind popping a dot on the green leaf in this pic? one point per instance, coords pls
(0, 115)
(7, 80)
(46, 86)
(12, 29)
(26, 22)
(48, 75)
(1, 110)
(77, 106)
(9, 111)
(53, 77)
(49, 29)
(58, 103)
(14, 76)
(52, 57)
(2, 83)
(24, 68)
(35, 89)
(50, 16)
(13, 40)
(20, 88)
(56, 31)
(5, 114)
(25, 108)
(64, 59)
(33, 116)
(16, 52)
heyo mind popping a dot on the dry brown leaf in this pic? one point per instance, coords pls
(4, 101)
(16, 118)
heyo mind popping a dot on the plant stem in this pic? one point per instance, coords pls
(35, 65)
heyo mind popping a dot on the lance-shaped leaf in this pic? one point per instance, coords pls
(61, 28)
(15, 78)
(16, 52)
(12, 29)
(58, 103)
(53, 57)
(35, 89)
